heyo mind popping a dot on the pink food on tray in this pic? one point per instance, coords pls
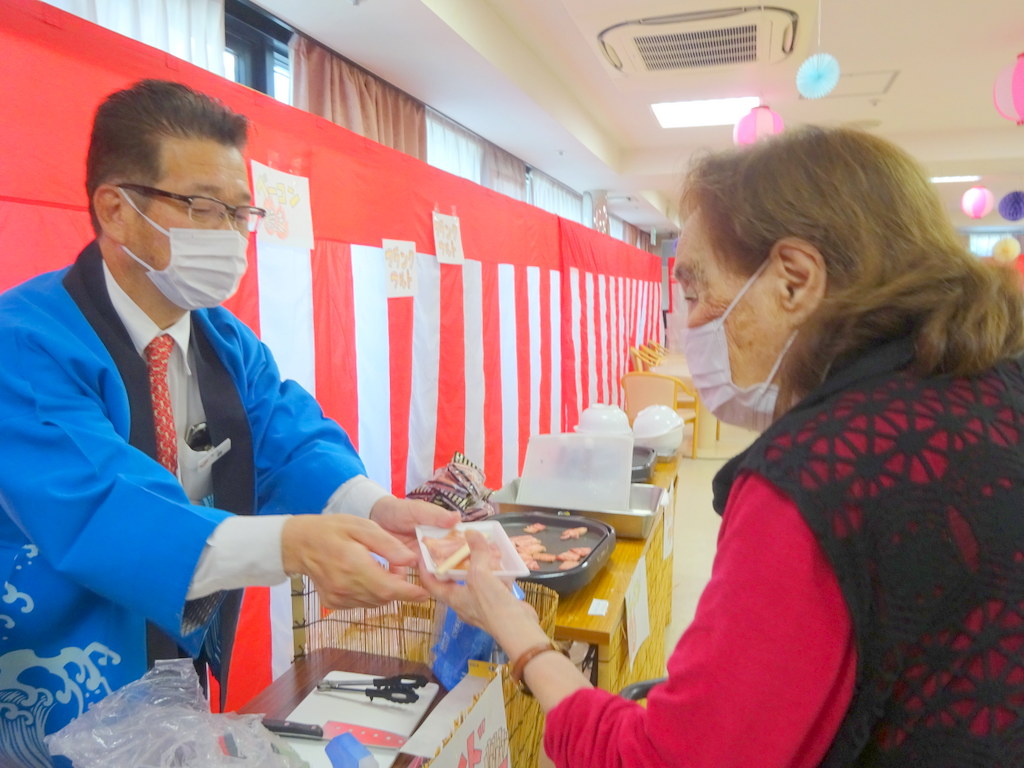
(573, 533)
(442, 548)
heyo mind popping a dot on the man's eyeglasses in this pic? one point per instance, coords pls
(208, 212)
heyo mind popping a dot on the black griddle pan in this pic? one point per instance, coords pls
(600, 537)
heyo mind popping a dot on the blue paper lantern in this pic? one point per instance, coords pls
(1011, 207)
(817, 76)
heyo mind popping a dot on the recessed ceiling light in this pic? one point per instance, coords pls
(691, 114)
(952, 179)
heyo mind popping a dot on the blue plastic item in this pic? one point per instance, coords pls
(345, 751)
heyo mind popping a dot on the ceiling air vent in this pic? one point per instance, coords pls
(700, 40)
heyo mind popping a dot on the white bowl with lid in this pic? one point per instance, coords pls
(603, 419)
(659, 427)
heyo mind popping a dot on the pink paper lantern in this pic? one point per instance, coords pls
(758, 123)
(977, 202)
(1008, 93)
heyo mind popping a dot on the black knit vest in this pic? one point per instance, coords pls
(914, 487)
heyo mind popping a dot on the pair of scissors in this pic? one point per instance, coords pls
(400, 688)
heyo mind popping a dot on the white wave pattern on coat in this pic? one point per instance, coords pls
(32, 687)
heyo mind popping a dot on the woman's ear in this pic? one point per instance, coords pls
(799, 269)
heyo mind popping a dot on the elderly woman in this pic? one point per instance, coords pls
(866, 605)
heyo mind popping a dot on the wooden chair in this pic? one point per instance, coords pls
(643, 388)
(642, 358)
(656, 348)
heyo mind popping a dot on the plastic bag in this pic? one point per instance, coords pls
(458, 642)
(162, 720)
(459, 486)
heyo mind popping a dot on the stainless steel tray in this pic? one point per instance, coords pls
(634, 523)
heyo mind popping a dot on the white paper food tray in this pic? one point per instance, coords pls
(512, 565)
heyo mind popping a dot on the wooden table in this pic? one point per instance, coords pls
(607, 633)
(287, 692)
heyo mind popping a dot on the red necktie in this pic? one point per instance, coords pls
(158, 351)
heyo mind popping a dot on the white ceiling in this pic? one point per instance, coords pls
(529, 76)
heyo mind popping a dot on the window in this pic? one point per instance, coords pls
(982, 243)
(256, 50)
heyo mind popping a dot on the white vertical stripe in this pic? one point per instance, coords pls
(556, 351)
(591, 338)
(634, 331)
(616, 338)
(473, 311)
(576, 309)
(286, 311)
(282, 641)
(602, 326)
(641, 315)
(426, 355)
(533, 300)
(509, 373)
(373, 370)
(286, 326)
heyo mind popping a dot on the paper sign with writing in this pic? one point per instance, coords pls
(669, 520)
(400, 267)
(638, 616)
(289, 219)
(482, 739)
(448, 239)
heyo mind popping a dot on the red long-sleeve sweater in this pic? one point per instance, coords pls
(760, 679)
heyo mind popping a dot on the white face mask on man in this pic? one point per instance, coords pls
(707, 356)
(205, 267)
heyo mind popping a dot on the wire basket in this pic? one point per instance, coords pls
(408, 631)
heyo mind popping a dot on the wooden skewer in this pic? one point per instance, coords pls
(454, 559)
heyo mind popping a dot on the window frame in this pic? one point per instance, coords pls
(258, 42)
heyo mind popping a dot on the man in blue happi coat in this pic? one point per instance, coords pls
(153, 462)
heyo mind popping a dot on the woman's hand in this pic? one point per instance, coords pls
(487, 602)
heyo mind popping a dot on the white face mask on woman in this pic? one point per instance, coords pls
(707, 356)
(205, 267)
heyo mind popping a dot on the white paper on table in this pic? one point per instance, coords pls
(669, 519)
(357, 709)
(482, 738)
(638, 615)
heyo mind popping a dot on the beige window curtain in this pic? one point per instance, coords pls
(630, 234)
(328, 85)
(504, 172)
(637, 237)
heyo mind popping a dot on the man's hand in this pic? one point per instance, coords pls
(334, 551)
(401, 516)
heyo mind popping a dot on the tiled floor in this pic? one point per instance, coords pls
(696, 527)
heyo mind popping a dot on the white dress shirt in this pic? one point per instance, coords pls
(244, 550)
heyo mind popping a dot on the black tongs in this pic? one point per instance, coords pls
(400, 688)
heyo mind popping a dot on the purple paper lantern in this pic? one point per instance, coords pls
(977, 202)
(1008, 92)
(1011, 207)
(758, 123)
